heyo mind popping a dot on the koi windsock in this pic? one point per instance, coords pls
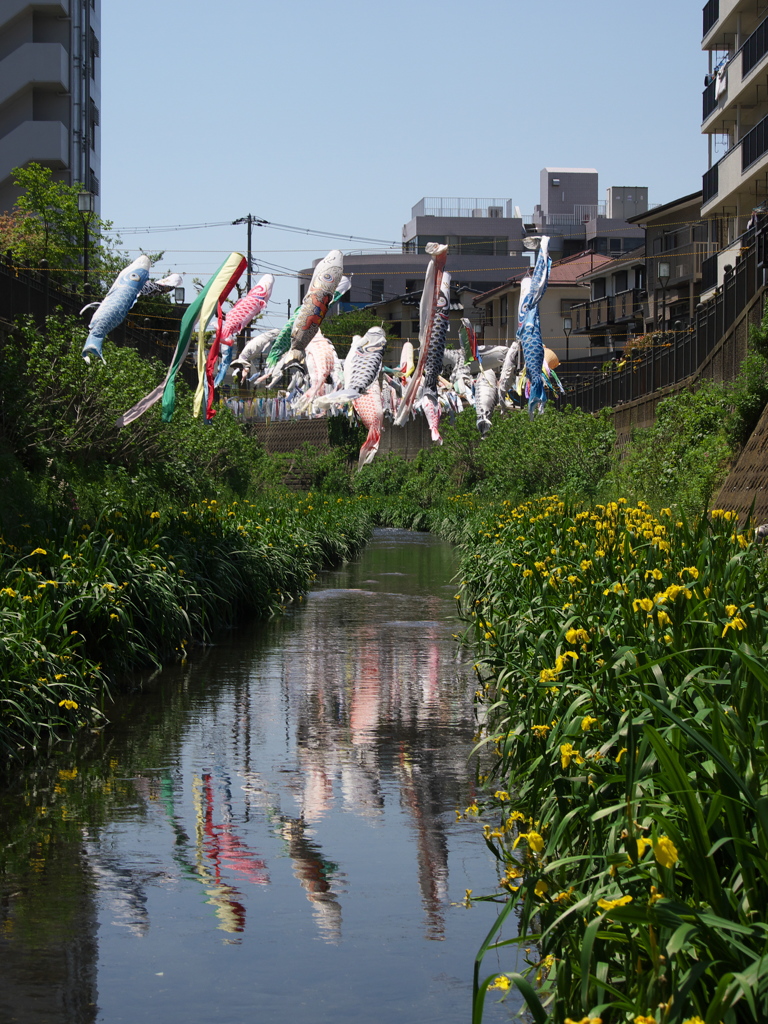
(225, 281)
(282, 342)
(243, 312)
(167, 390)
(468, 339)
(529, 325)
(429, 299)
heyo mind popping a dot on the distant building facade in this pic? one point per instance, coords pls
(50, 91)
(566, 289)
(484, 239)
(617, 307)
(570, 213)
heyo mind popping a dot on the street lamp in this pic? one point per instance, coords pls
(662, 276)
(178, 295)
(86, 208)
(567, 328)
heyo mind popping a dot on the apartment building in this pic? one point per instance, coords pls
(735, 121)
(485, 240)
(50, 91)
(570, 213)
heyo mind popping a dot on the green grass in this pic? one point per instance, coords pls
(622, 678)
(87, 603)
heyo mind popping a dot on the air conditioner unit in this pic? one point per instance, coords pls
(680, 270)
(478, 212)
(495, 211)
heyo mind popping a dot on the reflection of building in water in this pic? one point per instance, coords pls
(121, 889)
(372, 700)
(49, 973)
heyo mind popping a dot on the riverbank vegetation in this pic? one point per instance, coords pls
(619, 630)
(622, 673)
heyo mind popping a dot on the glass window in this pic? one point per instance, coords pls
(377, 290)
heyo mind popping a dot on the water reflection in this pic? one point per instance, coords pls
(291, 792)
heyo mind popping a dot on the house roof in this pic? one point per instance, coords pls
(622, 262)
(665, 208)
(564, 272)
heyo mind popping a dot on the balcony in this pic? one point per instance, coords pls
(710, 183)
(628, 305)
(42, 65)
(744, 82)
(588, 316)
(46, 142)
(754, 144)
(711, 15)
(754, 49)
(708, 101)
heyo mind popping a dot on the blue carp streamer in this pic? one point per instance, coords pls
(529, 326)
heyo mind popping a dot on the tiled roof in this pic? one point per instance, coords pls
(564, 272)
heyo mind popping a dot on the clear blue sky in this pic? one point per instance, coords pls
(340, 117)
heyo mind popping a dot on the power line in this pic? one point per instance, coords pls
(259, 222)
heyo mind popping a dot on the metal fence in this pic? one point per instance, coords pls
(673, 356)
(33, 293)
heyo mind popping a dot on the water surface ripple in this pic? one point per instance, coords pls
(270, 833)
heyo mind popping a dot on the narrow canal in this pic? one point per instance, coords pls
(267, 833)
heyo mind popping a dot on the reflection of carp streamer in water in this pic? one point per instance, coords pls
(314, 874)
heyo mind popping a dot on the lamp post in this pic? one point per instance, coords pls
(567, 328)
(86, 209)
(178, 295)
(662, 276)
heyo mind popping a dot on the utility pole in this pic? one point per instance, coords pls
(250, 220)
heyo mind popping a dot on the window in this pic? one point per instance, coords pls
(422, 240)
(411, 286)
(620, 282)
(503, 305)
(482, 245)
(614, 245)
(640, 277)
(414, 328)
(93, 53)
(488, 314)
(395, 329)
(377, 290)
(598, 288)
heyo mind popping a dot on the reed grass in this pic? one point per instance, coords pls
(137, 588)
(623, 680)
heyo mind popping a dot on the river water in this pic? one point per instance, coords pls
(269, 832)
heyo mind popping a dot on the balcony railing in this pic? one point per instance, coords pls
(754, 49)
(708, 100)
(754, 144)
(711, 15)
(628, 304)
(710, 184)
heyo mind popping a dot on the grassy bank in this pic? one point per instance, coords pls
(83, 604)
(622, 673)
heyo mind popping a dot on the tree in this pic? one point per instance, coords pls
(341, 329)
(45, 225)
